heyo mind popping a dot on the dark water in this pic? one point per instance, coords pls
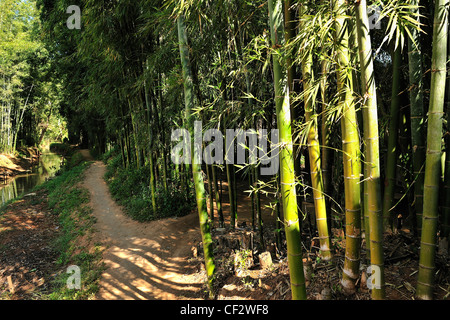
(49, 164)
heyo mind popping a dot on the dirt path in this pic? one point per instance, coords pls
(143, 260)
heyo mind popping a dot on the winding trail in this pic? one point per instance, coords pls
(143, 260)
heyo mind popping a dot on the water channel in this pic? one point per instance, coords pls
(49, 164)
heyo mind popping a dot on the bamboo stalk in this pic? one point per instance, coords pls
(425, 282)
(210, 194)
(259, 220)
(325, 154)
(217, 197)
(391, 165)
(372, 185)
(417, 119)
(314, 156)
(196, 167)
(287, 180)
(151, 146)
(351, 151)
(446, 206)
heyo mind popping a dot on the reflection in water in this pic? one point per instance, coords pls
(49, 164)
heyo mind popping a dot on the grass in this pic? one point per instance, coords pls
(68, 200)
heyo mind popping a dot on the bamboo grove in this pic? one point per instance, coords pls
(29, 94)
(358, 91)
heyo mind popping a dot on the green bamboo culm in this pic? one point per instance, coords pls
(231, 191)
(325, 128)
(150, 157)
(290, 28)
(391, 165)
(314, 152)
(288, 183)
(152, 183)
(217, 197)
(200, 194)
(428, 241)
(351, 150)
(445, 225)
(229, 167)
(210, 194)
(373, 219)
(417, 117)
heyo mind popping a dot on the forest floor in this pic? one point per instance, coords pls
(252, 279)
(163, 259)
(27, 255)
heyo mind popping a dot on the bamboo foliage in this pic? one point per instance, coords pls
(433, 157)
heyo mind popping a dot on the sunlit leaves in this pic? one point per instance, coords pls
(402, 18)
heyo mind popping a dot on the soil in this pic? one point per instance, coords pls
(143, 260)
(27, 256)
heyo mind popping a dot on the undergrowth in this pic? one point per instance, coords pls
(130, 187)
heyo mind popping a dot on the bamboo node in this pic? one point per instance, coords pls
(425, 284)
(353, 237)
(290, 222)
(297, 284)
(428, 244)
(353, 260)
(295, 254)
(288, 184)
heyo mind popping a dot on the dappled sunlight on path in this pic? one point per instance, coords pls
(143, 260)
